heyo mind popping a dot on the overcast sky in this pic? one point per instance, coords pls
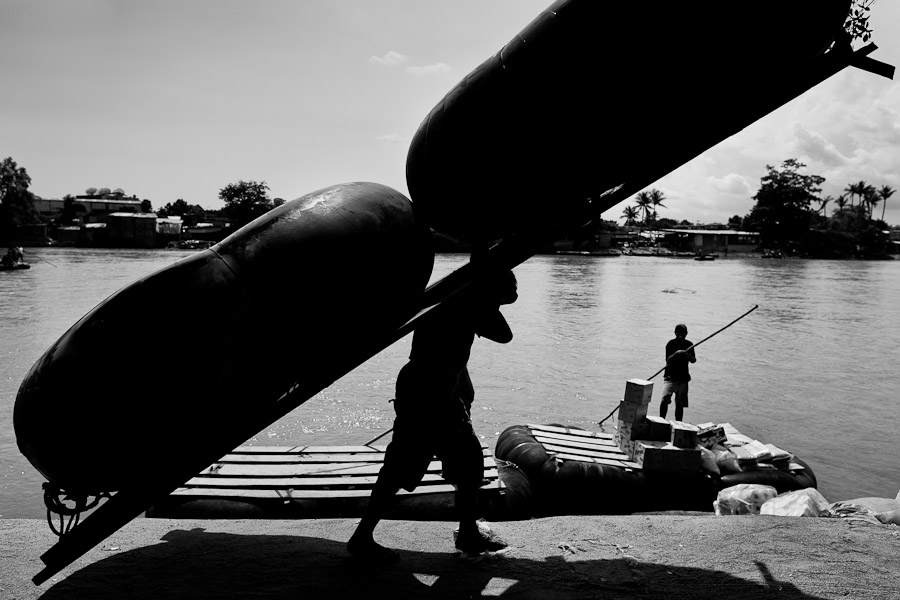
(177, 98)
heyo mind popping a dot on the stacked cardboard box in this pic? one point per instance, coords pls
(647, 440)
(684, 435)
(658, 430)
(710, 434)
(632, 413)
(664, 456)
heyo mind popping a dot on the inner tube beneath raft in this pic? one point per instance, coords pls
(555, 487)
(296, 295)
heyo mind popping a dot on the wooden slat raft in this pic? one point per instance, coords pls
(312, 482)
(582, 445)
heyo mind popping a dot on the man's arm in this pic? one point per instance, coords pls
(494, 327)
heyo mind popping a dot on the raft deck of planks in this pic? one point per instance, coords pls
(304, 482)
(578, 444)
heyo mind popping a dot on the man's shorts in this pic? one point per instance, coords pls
(414, 445)
(679, 388)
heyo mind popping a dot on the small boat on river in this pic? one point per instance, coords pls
(553, 470)
(18, 266)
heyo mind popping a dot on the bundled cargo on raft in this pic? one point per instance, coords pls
(648, 464)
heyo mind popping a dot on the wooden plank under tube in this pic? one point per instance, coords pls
(577, 448)
(571, 431)
(625, 464)
(319, 454)
(288, 494)
(322, 483)
(585, 454)
(274, 469)
(581, 442)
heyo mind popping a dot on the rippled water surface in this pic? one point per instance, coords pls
(812, 370)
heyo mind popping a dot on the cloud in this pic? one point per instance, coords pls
(395, 59)
(733, 183)
(391, 59)
(435, 69)
(813, 145)
(390, 138)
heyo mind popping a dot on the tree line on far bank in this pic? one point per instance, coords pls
(790, 215)
(243, 202)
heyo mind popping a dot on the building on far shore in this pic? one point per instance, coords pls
(91, 209)
(111, 219)
(710, 240)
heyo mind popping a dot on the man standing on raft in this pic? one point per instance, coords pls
(679, 352)
(433, 403)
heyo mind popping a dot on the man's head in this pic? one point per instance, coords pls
(681, 330)
(505, 287)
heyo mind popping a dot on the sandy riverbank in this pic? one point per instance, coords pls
(646, 556)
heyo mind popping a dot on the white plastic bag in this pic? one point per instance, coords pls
(808, 502)
(743, 499)
(708, 460)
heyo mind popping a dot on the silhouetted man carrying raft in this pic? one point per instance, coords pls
(433, 404)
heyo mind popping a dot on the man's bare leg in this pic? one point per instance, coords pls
(362, 543)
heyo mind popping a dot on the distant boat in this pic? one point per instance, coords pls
(706, 257)
(609, 252)
(14, 266)
(190, 245)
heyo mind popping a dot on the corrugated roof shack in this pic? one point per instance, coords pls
(711, 240)
(131, 230)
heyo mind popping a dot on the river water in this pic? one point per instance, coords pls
(813, 370)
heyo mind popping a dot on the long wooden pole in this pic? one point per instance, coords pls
(692, 346)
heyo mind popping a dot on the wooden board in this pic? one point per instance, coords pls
(270, 477)
(579, 444)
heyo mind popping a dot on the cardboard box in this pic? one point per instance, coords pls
(658, 430)
(710, 434)
(684, 435)
(631, 413)
(648, 454)
(638, 391)
(630, 431)
(662, 456)
(622, 434)
(628, 447)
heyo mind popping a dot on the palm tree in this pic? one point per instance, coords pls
(856, 189)
(885, 192)
(656, 199)
(643, 202)
(630, 213)
(871, 198)
(823, 202)
(841, 202)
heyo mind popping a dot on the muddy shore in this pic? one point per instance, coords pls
(612, 557)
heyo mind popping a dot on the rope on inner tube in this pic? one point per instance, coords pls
(55, 499)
